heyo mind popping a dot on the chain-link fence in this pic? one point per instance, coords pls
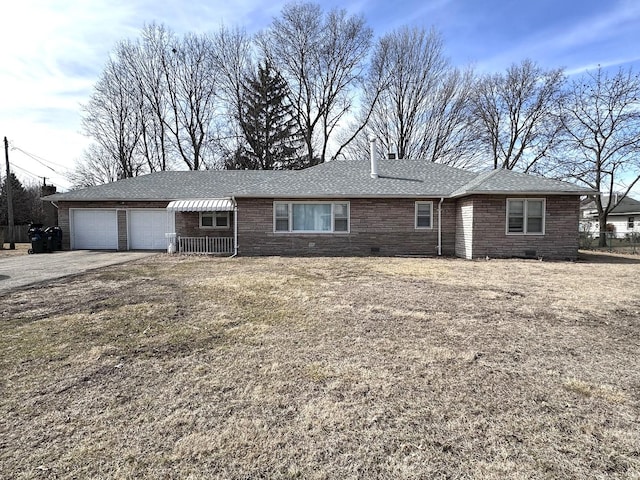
(614, 242)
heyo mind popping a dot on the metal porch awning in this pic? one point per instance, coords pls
(202, 205)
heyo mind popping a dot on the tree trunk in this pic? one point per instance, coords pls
(602, 221)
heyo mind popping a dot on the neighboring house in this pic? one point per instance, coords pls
(396, 207)
(624, 218)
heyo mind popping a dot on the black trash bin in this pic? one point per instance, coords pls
(38, 239)
(53, 238)
(51, 246)
(57, 235)
(43, 240)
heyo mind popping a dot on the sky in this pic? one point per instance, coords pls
(53, 51)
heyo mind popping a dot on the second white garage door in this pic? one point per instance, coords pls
(147, 229)
(94, 229)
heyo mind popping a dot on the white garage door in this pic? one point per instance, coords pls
(95, 229)
(147, 229)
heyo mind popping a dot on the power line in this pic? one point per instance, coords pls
(39, 159)
(34, 158)
(60, 175)
(26, 171)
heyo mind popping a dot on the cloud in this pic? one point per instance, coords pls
(593, 40)
(53, 51)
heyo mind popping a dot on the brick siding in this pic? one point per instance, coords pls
(560, 240)
(472, 227)
(188, 225)
(123, 235)
(377, 226)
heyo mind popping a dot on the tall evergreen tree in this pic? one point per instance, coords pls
(273, 139)
(26, 203)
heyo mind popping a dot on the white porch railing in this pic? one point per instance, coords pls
(205, 245)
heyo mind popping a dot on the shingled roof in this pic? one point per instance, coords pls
(508, 182)
(626, 206)
(170, 186)
(340, 178)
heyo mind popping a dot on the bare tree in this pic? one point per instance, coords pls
(422, 109)
(233, 60)
(112, 118)
(515, 114)
(144, 60)
(321, 57)
(94, 168)
(191, 81)
(601, 118)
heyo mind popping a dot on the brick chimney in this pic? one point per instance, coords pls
(50, 211)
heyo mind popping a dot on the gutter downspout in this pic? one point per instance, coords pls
(440, 226)
(235, 228)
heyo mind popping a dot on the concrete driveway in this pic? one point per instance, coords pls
(21, 270)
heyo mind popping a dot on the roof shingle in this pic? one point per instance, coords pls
(340, 178)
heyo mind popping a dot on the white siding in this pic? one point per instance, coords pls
(464, 230)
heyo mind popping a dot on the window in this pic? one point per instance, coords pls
(630, 223)
(282, 217)
(317, 217)
(424, 213)
(214, 219)
(525, 216)
(340, 217)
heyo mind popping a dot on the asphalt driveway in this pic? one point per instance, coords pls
(21, 270)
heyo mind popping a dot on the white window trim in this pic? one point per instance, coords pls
(312, 232)
(213, 227)
(524, 213)
(415, 216)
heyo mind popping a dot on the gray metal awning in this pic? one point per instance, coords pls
(202, 205)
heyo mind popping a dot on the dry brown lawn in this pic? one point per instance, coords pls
(21, 249)
(333, 368)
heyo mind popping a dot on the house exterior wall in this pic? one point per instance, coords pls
(377, 227)
(122, 207)
(464, 228)
(620, 224)
(123, 234)
(472, 227)
(188, 225)
(63, 223)
(560, 240)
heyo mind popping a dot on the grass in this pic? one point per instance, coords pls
(20, 249)
(181, 367)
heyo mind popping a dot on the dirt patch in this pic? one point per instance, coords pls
(21, 249)
(182, 367)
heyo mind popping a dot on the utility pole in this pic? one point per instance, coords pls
(12, 243)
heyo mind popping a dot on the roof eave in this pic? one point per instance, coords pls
(344, 195)
(520, 192)
(109, 199)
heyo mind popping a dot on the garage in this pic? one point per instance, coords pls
(147, 229)
(94, 229)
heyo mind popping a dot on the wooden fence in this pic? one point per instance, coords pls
(20, 234)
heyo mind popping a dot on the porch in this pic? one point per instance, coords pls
(206, 236)
(205, 245)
